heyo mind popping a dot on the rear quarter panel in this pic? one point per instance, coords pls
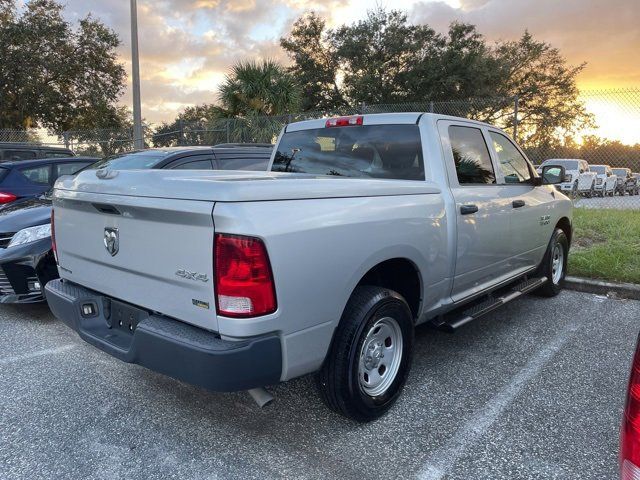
(320, 249)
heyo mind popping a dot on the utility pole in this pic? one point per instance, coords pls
(138, 135)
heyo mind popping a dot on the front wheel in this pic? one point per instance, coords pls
(370, 356)
(554, 264)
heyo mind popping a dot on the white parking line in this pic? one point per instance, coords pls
(39, 353)
(442, 460)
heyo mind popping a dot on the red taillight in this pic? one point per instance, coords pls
(7, 197)
(630, 432)
(244, 283)
(344, 121)
(53, 236)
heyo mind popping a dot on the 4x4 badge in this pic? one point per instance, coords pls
(192, 275)
(111, 240)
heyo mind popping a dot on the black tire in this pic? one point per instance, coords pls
(551, 288)
(338, 380)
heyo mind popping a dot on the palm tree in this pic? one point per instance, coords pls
(258, 95)
(264, 88)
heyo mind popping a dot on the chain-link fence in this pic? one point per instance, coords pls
(610, 145)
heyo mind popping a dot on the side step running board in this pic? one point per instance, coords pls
(451, 322)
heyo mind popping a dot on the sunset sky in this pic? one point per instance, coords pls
(187, 46)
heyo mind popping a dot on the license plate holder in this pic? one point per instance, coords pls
(126, 317)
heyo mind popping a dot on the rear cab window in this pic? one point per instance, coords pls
(360, 151)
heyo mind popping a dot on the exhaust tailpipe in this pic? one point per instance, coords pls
(261, 396)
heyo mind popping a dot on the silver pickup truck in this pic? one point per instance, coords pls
(362, 228)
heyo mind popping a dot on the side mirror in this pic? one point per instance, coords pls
(553, 175)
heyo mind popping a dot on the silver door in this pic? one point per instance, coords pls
(483, 209)
(531, 205)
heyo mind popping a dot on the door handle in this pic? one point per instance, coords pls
(468, 209)
(517, 203)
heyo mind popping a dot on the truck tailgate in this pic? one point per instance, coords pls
(163, 260)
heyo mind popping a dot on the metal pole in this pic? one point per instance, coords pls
(515, 118)
(431, 106)
(138, 136)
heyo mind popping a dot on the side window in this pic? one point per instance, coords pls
(202, 164)
(40, 174)
(19, 154)
(471, 156)
(50, 154)
(250, 162)
(514, 166)
(67, 168)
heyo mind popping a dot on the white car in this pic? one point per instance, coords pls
(605, 180)
(578, 178)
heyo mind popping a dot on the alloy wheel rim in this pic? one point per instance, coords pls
(557, 263)
(380, 357)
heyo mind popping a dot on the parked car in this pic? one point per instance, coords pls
(29, 178)
(238, 280)
(579, 178)
(630, 430)
(26, 258)
(31, 151)
(192, 158)
(606, 180)
(637, 177)
(627, 183)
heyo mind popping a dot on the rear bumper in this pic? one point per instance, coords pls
(168, 346)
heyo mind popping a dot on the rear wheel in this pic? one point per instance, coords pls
(554, 264)
(370, 356)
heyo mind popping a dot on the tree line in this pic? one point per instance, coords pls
(67, 77)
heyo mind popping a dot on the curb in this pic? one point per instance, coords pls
(600, 287)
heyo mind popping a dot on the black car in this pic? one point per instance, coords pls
(29, 178)
(30, 151)
(26, 258)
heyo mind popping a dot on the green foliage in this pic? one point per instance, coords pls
(264, 88)
(54, 75)
(384, 59)
(253, 100)
(112, 132)
(196, 125)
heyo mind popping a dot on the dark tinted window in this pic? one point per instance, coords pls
(50, 154)
(131, 161)
(567, 164)
(376, 151)
(40, 174)
(249, 163)
(202, 164)
(515, 167)
(621, 172)
(471, 156)
(68, 168)
(19, 154)
(598, 169)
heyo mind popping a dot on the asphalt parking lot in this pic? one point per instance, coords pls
(533, 391)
